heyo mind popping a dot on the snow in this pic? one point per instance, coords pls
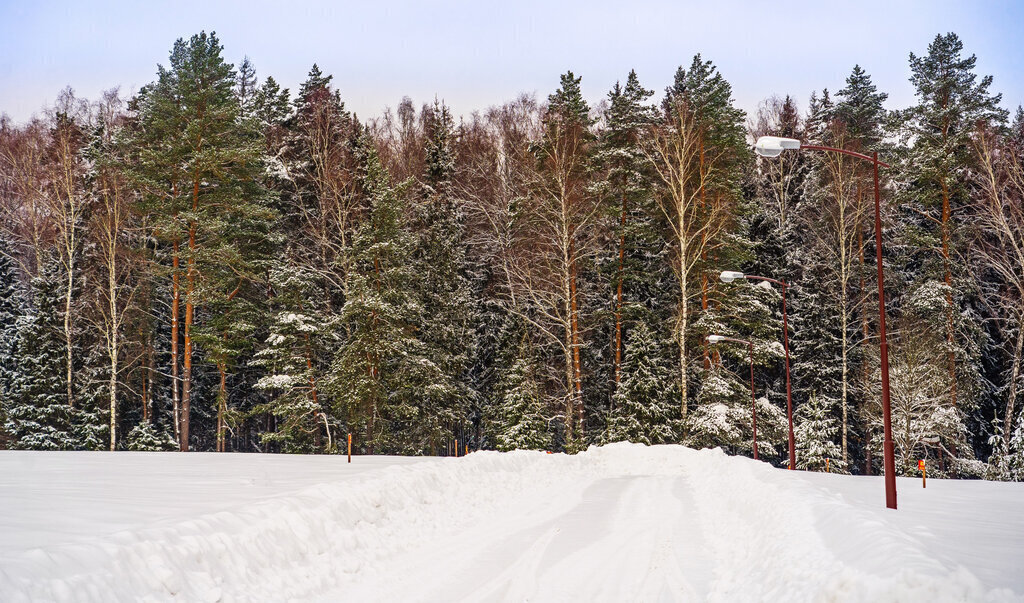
(621, 522)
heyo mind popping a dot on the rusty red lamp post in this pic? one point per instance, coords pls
(773, 146)
(713, 339)
(730, 276)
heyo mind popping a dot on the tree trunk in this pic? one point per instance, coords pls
(1011, 399)
(113, 351)
(576, 364)
(618, 297)
(948, 277)
(186, 397)
(570, 401)
(67, 328)
(175, 310)
(222, 397)
(846, 389)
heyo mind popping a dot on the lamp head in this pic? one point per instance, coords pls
(729, 276)
(773, 146)
(713, 339)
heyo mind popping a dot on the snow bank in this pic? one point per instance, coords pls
(613, 523)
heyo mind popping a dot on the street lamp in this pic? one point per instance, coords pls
(729, 276)
(713, 339)
(773, 146)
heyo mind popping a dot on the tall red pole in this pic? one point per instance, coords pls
(753, 398)
(889, 462)
(789, 390)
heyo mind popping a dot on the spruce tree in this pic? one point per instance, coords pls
(520, 422)
(38, 416)
(12, 308)
(815, 432)
(635, 270)
(644, 411)
(443, 285)
(380, 378)
(292, 374)
(861, 110)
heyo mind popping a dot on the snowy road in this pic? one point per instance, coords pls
(618, 523)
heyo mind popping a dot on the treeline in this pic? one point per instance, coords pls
(218, 264)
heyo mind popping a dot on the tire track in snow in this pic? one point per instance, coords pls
(625, 537)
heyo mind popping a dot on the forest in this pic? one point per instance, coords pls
(219, 264)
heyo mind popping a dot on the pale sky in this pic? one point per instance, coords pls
(477, 54)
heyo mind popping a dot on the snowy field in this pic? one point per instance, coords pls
(619, 523)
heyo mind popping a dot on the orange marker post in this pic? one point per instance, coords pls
(467, 450)
(456, 448)
(924, 478)
(350, 447)
(826, 466)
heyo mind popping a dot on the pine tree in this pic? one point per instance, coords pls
(200, 166)
(699, 154)
(951, 101)
(561, 217)
(644, 410)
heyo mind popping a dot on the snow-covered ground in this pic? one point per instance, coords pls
(618, 523)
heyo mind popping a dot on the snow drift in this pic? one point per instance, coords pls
(622, 522)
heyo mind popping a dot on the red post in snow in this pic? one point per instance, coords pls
(889, 461)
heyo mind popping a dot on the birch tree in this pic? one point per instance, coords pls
(695, 150)
(999, 214)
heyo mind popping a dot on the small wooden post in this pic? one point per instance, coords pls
(350, 447)
(456, 448)
(924, 474)
(826, 466)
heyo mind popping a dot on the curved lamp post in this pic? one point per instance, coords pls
(729, 276)
(713, 339)
(773, 146)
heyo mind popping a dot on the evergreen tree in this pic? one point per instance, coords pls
(644, 411)
(633, 261)
(520, 423)
(145, 437)
(951, 101)
(700, 154)
(816, 345)
(11, 309)
(815, 432)
(724, 416)
(287, 356)
(380, 378)
(448, 310)
(200, 165)
(861, 111)
(561, 217)
(37, 415)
